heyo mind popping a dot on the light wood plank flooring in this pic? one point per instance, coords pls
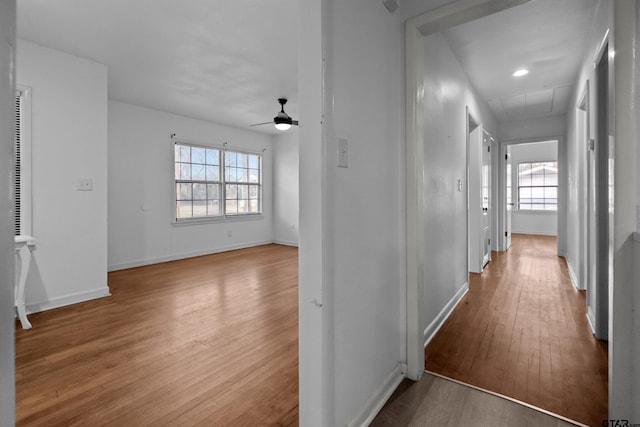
(522, 331)
(435, 401)
(211, 340)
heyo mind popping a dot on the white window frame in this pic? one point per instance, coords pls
(223, 217)
(26, 200)
(519, 186)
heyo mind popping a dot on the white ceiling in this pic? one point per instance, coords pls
(225, 62)
(547, 37)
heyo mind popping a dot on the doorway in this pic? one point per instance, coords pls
(598, 202)
(531, 187)
(417, 31)
(479, 143)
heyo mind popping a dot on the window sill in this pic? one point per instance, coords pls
(201, 221)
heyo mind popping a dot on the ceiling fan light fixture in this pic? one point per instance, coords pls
(282, 121)
(521, 72)
(282, 126)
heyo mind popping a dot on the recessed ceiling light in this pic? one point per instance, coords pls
(521, 73)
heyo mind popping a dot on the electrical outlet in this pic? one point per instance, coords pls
(84, 184)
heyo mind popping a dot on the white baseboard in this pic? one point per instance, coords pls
(591, 318)
(534, 232)
(437, 323)
(209, 251)
(286, 243)
(380, 397)
(68, 300)
(572, 276)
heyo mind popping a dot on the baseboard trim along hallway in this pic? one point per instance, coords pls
(442, 317)
(380, 397)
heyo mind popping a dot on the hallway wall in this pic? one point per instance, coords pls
(364, 204)
(447, 92)
(619, 18)
(534, 128)
(7, 251)
(636, 327)
(352, 254)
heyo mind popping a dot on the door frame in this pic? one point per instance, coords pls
(474, 251)
(604, 173)
(449, 15)
(583, 112)
(502, 185)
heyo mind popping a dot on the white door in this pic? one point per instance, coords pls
(475, 213)
(509, 204)
(485, 191)
(591, 236)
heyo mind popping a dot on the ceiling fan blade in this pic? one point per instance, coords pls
(260, 124)
(294, 122)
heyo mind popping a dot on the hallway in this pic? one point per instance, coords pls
(521, 331)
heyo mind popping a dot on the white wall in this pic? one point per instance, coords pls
(618, 18)
(635, 352)
(69, 141)
(447, 92)
(533, 129)
(362, 209)
(285, 187)
(635, 355)
(545, 223)
(140, 188)
(410, 8)
(624, 399)
(7, 252)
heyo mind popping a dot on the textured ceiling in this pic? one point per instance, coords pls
(547, 37)
(225, 62)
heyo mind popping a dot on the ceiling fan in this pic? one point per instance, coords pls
(282, 120)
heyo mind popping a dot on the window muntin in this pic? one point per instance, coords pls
(538, 186)
(204, 191)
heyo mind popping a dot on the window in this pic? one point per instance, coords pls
(22, 164)
(216, 183)
(538, 186)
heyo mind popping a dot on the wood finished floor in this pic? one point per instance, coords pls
(521, 331)
(211, 340)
